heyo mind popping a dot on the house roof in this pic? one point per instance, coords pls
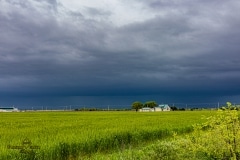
(163, 106)
(7, 108)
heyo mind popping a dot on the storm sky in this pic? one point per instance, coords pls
(59, 49)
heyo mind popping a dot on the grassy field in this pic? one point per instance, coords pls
(80, 135)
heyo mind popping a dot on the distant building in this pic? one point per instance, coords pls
(161, 107)
(8, 109)
(146, 109)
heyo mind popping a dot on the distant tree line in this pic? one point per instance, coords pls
(151, 104)
(139, 105)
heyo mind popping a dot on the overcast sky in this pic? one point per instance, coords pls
(63, 48)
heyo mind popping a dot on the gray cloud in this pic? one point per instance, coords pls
(46, 48)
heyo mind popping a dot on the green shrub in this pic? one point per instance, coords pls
(218, 138)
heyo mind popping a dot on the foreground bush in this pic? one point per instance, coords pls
(218, 138)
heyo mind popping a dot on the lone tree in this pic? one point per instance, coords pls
(137, 105)
(150, 104)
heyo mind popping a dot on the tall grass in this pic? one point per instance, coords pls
(72, 135)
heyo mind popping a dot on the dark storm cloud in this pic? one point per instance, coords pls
(186, 47)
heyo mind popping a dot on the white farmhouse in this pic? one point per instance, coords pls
(162, 107)
(146, 109)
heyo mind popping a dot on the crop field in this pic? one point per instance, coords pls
(81, 135)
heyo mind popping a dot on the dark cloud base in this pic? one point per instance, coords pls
(186, 50)
(114, 101)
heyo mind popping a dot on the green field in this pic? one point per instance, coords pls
(81, 135)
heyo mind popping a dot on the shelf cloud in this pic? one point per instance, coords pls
(121, 48)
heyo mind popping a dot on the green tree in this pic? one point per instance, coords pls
(137, 105)
(150, 104)
(174, 108)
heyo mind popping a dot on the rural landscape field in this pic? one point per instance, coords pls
(89, 135)
(70, 70)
